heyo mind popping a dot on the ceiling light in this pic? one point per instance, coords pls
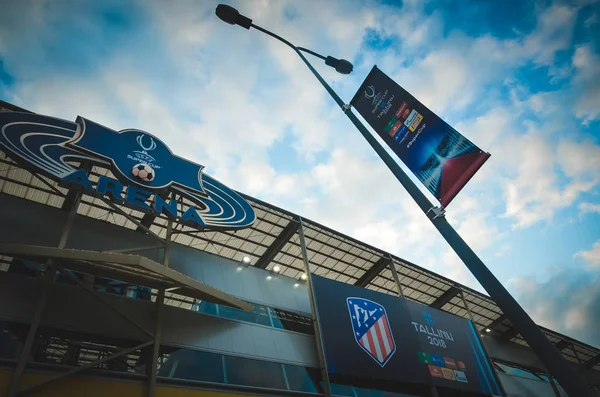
(303, 276)
(488, 330)
(246, 260)
(296, 285)
(276, 268)
(239, 268)
(269, 277)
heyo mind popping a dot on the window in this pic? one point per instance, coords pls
(302, 378)
(191, 365)
(244, 371)
(263, 315)
(516, 371)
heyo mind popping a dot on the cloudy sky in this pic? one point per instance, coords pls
(521, 79)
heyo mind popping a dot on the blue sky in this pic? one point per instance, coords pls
(520, 79)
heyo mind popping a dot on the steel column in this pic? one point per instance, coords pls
(464, 300)
(160, 298)
(315, 312)
(395, 275)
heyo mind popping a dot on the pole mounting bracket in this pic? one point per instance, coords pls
(436, 212)
(346, 107)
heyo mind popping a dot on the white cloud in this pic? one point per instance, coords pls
(591, 257)
(589, 207)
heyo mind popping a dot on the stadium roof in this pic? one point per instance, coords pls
(272, 240)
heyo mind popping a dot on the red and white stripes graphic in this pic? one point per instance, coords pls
(379, 340)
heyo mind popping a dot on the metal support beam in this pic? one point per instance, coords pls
(552, 384)
(592, 362)
(103, 300)
(74, 195)
(562, 345)
(445, 297)
(286, 234)
(13, 388)
(395, 276)
(315, 313)
(373, 271)
(466, 304)
(509, 334)
(156, 350)
(146, 222)
(497, 322)
(87, 366)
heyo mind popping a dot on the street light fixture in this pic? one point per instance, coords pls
(539, 343)
(232, 16)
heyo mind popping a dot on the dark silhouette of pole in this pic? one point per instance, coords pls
(557, 365)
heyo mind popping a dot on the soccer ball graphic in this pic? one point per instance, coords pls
(143, 172)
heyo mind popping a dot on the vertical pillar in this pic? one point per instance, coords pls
(395, 275)
(464, 300)
(45, 283)
(552, 384)
(160, 299)
(157, 336)
(315, 312)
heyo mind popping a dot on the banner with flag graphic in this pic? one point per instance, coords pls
(392, 343)
(439, 156)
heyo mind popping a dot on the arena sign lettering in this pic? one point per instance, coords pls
(146, 171)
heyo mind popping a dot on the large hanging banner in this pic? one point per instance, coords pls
(439, 156)
(384, 338)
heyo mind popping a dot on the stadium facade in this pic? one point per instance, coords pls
(139, 303)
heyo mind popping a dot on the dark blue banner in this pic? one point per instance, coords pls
(393, 341)
(436, 153)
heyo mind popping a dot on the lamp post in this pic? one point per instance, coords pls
(557, 365)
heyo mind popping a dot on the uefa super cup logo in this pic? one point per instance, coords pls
(140, 141)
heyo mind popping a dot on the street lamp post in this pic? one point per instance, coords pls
(557, 365)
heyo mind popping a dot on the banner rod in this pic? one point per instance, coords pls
(315, 312)
(557, 365)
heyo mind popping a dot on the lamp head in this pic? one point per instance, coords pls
(232, 16)
(340, 65)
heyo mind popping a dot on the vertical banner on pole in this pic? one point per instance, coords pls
(439, 156)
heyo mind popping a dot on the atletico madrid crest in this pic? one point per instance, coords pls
(372, 329)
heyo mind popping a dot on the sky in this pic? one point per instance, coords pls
(521, 79)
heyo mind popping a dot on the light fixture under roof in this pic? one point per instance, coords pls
(276, 268)
(303, 276)
(269, 277)
(246, 260)
(296, 285)
(488, 330)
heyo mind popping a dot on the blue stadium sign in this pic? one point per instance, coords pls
(146, 170)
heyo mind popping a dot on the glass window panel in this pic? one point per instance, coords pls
(259, 315)
(244, 371)
(192, 365)
(300, 379)
(523, 373)
(284, 319)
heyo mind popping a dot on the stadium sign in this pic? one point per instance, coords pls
(146, 171)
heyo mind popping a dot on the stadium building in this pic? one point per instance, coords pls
(101, 297)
